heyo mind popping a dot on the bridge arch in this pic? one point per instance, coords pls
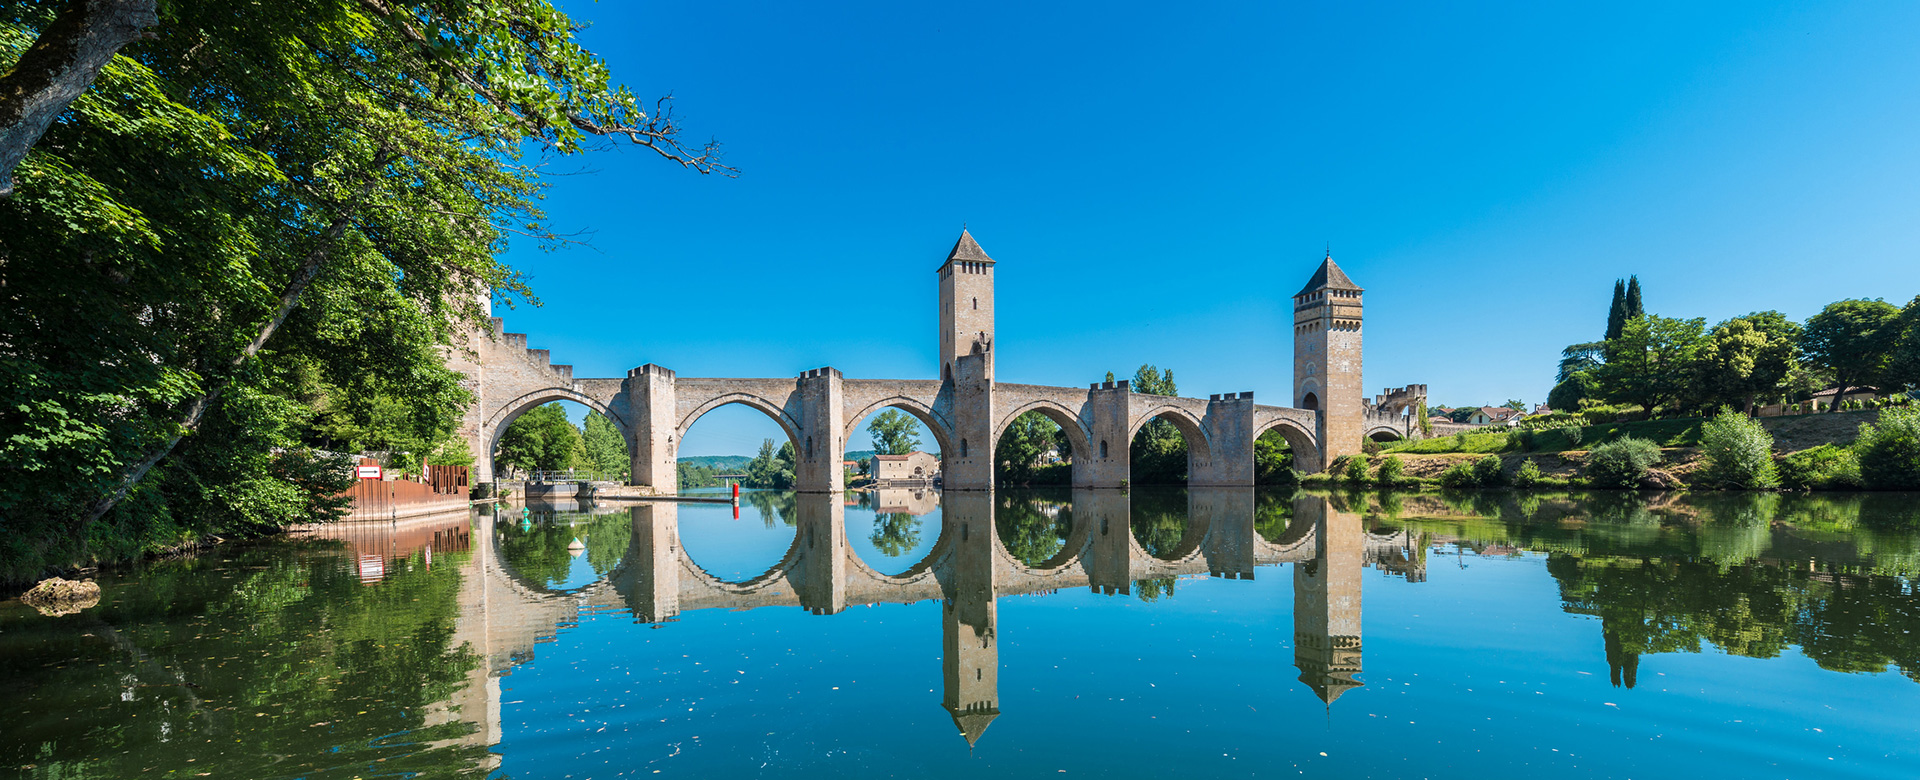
(1199, 446)
(942, 432)
(497, 423)
(1385, 433)
(758, 403)
(1078, 437)
(1306, 447)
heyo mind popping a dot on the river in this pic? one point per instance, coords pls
(1161, 633)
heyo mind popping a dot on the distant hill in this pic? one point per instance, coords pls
(726, 462)
(858, 455)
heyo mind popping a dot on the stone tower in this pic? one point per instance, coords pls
(1326, 359)
(970, 653)
(966, 305)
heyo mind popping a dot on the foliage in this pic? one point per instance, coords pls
(1273, 460)
(606, 449)
(1621, 463)
(1019, 455)
(542, 439)
(1528, 474)
(1739, 452)
(354, 170)
(1158, 452)
(1852, 340)
(895, 533)
(1355, 469)
(1651, 363)
(1495, 441)
(1487, 471)
(1579, 359)
(894, 432)
(1617, 312)
(1459, 476)
(1903, 361)
(1745, 358)
(1634, 306)
(772, 468)
(1033, 530)
(1392, 470)
(1889, 451)
(1826, 467)
(1425, 419)
(1571, 390)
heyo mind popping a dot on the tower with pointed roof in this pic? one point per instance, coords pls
(970, 648)
(1326, 360)
(966, 304)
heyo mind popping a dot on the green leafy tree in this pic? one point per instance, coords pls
(542, 439)
(1027, 439)
(773, 468)
(252, 188)
(1889, 451)
(1852, 340)
(606, 449)
(1158, 452)
(1652, 361)
(1739, 452)
(894, 432)
(1273, 460)
(1903, 363)
(1577, 358)
(1621, 463)
(1746, 358)
(1634, 306)
(1567, 395)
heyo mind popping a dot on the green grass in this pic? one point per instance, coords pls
(1681, 432)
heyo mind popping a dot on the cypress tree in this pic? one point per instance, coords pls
(1633, 298)
(1617, 316)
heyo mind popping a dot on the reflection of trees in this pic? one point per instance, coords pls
(539, 551)
(1159, 521)
(1749, 573)
(895, 533)
(187, 658)
(775, 506)
(1033, 529)
(1154, 589)
(1272, 513)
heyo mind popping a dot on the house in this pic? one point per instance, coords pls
(1494, 415)
(911, 467)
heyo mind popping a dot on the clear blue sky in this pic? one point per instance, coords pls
(1156, 181)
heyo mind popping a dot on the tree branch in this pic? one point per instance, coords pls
(59, 66)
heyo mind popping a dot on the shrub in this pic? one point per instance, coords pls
(1572, 432)
(1459, 476)
(1460, 441)
(1486, 471)
(1357, 469)
(1391, 470)
(1621, 463)
(1889, 452)
(1528, 475)
(1370, 447)
(1739, 452)
(1825, 467)
(1519, 440)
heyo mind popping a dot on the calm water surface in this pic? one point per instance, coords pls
(1203, 633)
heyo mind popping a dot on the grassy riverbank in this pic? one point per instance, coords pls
(1815, 451)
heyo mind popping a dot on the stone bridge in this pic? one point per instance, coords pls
(967, 409)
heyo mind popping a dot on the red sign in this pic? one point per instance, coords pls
(369, 472)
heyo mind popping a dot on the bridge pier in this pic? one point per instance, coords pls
(821, 446)
(1109, 539)
(1230, 434)
(970, 465)
(1228, 513)
(649, 392)
(648, 580)
(822, 529)
(1109, 436)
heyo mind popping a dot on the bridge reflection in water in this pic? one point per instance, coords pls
(968, 569)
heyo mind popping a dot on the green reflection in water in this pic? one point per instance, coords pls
(1751, 574)
(257, 660)
(1034, 526)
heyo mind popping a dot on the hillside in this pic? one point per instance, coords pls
(723, 462)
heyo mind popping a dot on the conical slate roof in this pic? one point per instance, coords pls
(973, 722)
(969, 250)
(1329, 276)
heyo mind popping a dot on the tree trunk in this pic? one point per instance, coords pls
(59, 66)
(1840, 393)
(197, 409)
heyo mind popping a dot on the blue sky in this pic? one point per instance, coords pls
(1156, 181)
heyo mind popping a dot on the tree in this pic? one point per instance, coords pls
(1159, 450)
(257, 187)
(542, 440)
(606, 449)
(1634, 308)
(1853, 340)
(1617, 313)
(1515, 404)
(894, 432)
(772, 468)
(1583, 357)
(1273, 459)
(60, 64)
(1652, 361)
(1903, 363)
(1026, 439)
(1745, 358)
(1567, 395)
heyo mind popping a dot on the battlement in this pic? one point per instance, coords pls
(1120, 385)
(819, 373)
(651, 370)
(1246, 396)
(1397, 398)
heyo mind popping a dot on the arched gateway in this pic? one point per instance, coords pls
(965, 409)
